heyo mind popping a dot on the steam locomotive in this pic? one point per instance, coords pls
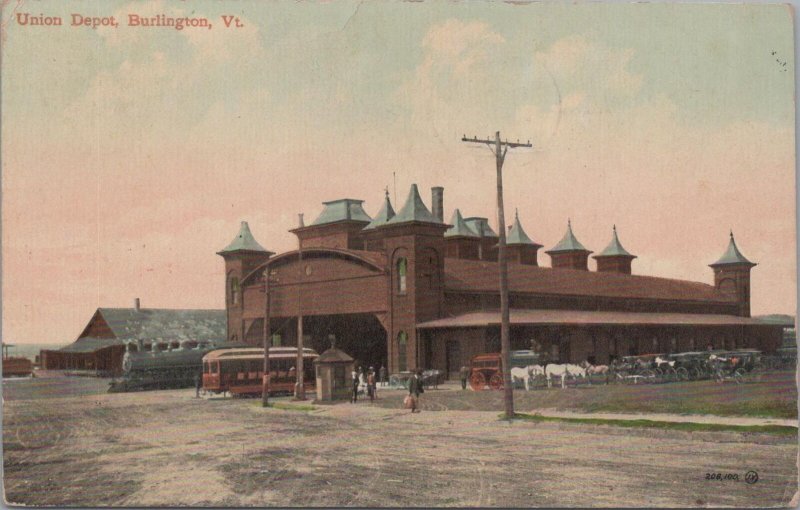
(160, 365)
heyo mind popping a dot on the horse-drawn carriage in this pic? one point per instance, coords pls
(733, 365)
(486, 369)
(634, 369)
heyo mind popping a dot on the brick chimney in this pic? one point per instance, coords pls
(136, 305)
(437, 202)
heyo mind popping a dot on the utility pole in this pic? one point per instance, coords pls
(299, 387)
(267, 342)
(499, 149)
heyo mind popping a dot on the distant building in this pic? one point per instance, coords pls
(101, 345)
(407, 290)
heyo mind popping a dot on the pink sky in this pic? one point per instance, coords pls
(130, 157)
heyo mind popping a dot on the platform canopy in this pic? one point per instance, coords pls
(588, 318)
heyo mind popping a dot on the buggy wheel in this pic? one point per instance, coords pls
(648, 374)
(695, 374)
(477, 381)
(496, 381)
(670, 374)
(682, 374)
(738, 375)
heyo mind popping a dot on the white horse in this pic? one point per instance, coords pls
(556, 370)
(520, 374)
(594, 369)
(535, 371)
(526, 375)
(563, 371)
(660, 361)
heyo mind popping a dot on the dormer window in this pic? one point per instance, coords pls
(402, 268)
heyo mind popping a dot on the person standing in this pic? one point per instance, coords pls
(198, 379)
(414, 390)
(354, 383)
(464, 376)
(371, 386)
(382, 373)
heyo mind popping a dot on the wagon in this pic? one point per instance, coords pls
(486, 369)
(693, 365)
(632, 369)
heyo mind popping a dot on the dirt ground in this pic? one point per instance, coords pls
(167, 448)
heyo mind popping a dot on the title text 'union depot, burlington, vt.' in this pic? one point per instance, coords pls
(131, 20)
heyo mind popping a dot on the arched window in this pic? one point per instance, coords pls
(402, 267)
(402, 348)
(234, 290)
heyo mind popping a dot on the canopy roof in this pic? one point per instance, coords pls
(334, 355)
(615, 249)
(568, 242)
(584, 317)
(732, 256)
(244, 241)
(414, 210)
(344, 209)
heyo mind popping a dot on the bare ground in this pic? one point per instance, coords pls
(168, 448)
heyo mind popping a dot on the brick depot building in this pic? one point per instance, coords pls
(407, 290)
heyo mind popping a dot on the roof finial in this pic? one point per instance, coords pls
(569, 223)
(731, 234)
(614, 228)
(386, 189)
(516, 213)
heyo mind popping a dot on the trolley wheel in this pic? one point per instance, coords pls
(682, 374)
(477, 381)
(496, 381)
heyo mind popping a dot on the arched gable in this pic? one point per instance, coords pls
(372, 262)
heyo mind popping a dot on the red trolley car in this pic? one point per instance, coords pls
(239, 371)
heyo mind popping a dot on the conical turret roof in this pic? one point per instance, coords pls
(568, 242)
(413, 210)
(615, 249)
(460, 227)
(244, 241)
(517, 235)
(732, 256)
(384, 215)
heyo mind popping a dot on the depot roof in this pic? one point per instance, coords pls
(462, 275)
(583, 317)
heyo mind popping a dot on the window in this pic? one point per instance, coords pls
(276, 340)
(234, 290)
(402, 267)
(402, 347)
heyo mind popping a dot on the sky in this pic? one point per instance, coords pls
(130, 155)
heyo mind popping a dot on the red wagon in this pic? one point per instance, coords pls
(486, 369)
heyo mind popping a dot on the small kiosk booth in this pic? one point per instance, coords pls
(333, 369)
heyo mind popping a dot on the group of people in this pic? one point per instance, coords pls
(369, 380)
